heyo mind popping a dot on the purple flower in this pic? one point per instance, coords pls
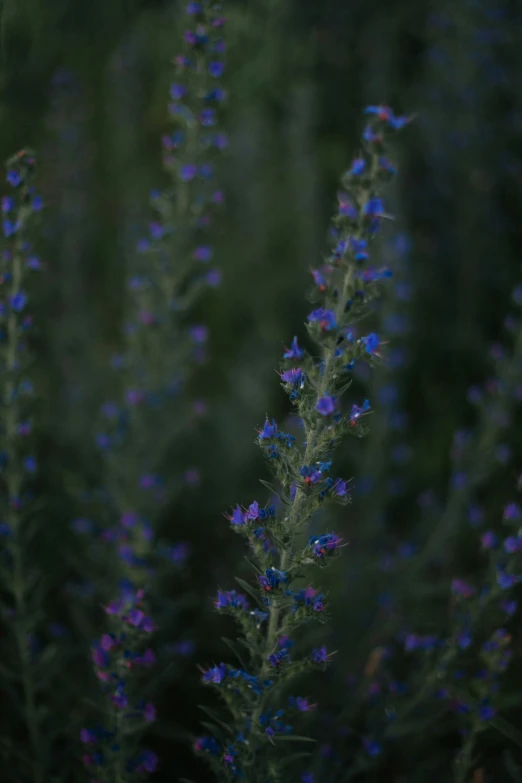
(187, 172)
(213, 278)
(372, 747)
(512, 512)
(134, 396)
(489, 540)
(506, 581)
(301, 703)
(272, 578)
(346, 208)
(30, 464)
(199, 334)
(325, 318)
(321, 655)
(215, 675)
(371, 343)
(323, 545)
(276, 659)
(358, 166)
(88, 737)
(461, 588)
(294, 352)
(203, 253)
(340, 488)
(149, 712)
(216, 69)
(294, 376)
(486, 712)
(513, 544)
(14, 178)
(206, 744)
(10, 227)
(147, 761)
(230, 598)
(326, 405)
(385, 114)
(356, 411)
(509, 607)
(269, 430)
(177, 91)
(253, 512)
(18, 301)
(374, 208)
(237, 517)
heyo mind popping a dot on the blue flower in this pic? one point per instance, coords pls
(326, 405)
(371, 342)
(237, 517)
(325, 318)
(294, 352)
(215, 675)
(216, 69)
(18, 301)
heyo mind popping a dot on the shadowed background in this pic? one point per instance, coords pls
(86, 84)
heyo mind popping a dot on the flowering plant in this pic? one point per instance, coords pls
(283, 554)
(29, 671)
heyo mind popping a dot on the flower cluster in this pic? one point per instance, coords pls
(345, 286)
(118, 656)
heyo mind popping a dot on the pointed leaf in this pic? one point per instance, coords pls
(254, 566)
(214, 730)
(232, 646)
(290, 758)
(247, 588)
(215, 717)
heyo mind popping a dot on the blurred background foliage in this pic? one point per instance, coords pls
(85, 83)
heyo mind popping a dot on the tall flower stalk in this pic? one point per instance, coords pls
(282, 557)
(170, 272)
(161, 347)
(20, 582)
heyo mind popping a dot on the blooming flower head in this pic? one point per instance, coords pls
(324, 317)
(230, 598)
(321, 655)
(326, 405)
(215, 675)
(237, 517)
(324, 545)
(371, 343)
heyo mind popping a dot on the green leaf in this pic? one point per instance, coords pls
(214, 730)
(232, 646)
(215, 717)
(512, 766)
(290, 758)
(254, 566)
(294, 738)
(247, 588)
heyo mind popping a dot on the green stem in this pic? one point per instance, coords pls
(464, 759)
